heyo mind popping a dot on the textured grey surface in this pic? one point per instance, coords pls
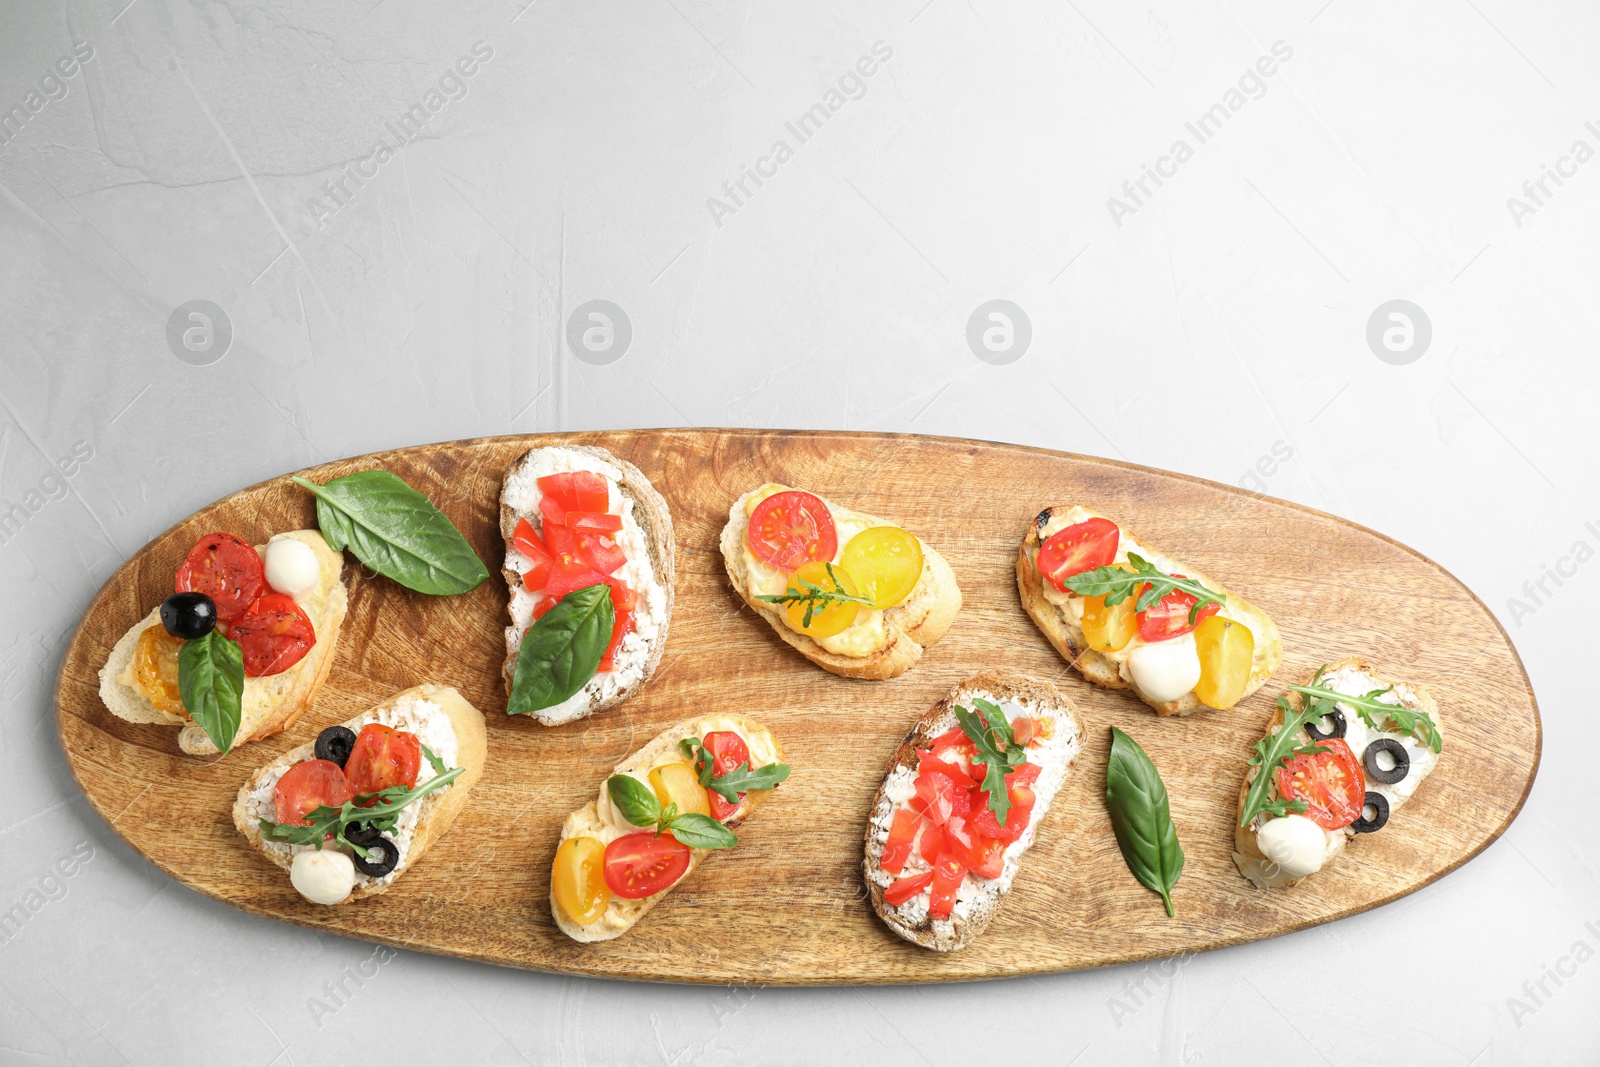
(1212, 321)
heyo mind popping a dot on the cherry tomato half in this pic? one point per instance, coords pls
(791, 528)
(1080, 547)
(728, 751)
(155, 669)
(1169, 617)
(1331, 784)
(578, 879)
(885, 562)
(274, 635)
(225, 569)
(307, 786)
(382, 757)
(642, 864)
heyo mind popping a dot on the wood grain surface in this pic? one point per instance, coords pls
(787, 905)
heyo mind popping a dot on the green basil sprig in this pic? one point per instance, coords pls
(383, 816)
(1142, 818)
(639, 806)
(1116, 585)
(1274, 750)
(1376, 712)
(740, 779)
(997, 750)
(562, 650)
(211, 685)
(396, 531)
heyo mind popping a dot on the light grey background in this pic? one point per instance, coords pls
(1224, 315)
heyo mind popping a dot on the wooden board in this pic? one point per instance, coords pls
(787, 905)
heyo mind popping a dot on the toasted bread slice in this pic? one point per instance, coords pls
(599, 819)
(979, 899)
(1062, 627)
(1355, 676)
(914, 624)
(269, 705)
(429, 711)
(646, 536)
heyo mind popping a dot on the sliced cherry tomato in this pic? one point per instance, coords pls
(307, 786)
(642, 864)
(1169, 617)
(622, 603)
(1080, 547)
(594, 520)
(1227, 651)
(947, 875)
(886, 563)
(225, 569)
(383, 757)
(527, 541)
(903, 889)
(1331, 784)
(155, 669)
(597, 551)
(578, 879)
(577, 490)
(897, 849)
(728, 751)
(274, 635)
(791, 528)
(833, 617)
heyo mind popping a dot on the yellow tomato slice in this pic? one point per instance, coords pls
(675, 783)
(155, 668)
(579, 879)
(885, 562)
(1227, 653)
(1109, 629)
(829, 618)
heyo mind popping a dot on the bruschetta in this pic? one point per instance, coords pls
(943, 842)
(578, 520)
(1339, 759)
(281, 604)
(1127, 616)
(349, 813)
(657, 816)
(853, 593)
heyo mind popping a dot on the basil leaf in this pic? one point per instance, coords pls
(742, 780)
(396, 531)
(1140, 815)
(211, 685)
(634, 799)
(562, 650)
(701, 831)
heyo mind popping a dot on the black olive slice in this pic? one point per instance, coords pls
(334, 744)
(1374, 802)
(1336, 726)
(1375, 771)
(361, 833)
(391, 856)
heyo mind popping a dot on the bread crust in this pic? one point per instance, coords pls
(959, 931)
(642, 761)
(255, 725)
(915, 624)
(1067, 638)
(438, 810)
(655, 520)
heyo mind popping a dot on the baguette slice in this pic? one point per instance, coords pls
(1355, 676)
(1065, 634)
(979, 899)
(602, 823)
(434, 813)
(916, 623)
(647, 538)
(269, 705)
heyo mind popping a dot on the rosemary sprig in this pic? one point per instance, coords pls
(814, 597)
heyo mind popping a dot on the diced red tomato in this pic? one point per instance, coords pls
(902, 831)
(597, 551)
(928, 763)
(989, 857)
(1026, 729)
(1019, 789)
(273, 634)
(1169, 617)
(903, 889)
(981, 855)
(594, 520)
(1078, 548)
(954, 738)
(551, 512)
(947, 875)
(565, 579)
(938, 797)
(577, 491)
(1026, 774)
(543, 606)
(527, 541)
(622, 601)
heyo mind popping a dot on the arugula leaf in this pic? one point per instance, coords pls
(1117, 585)
(1375, 712)
(997, 750)
(562, 650)
(396, 531)
(740, 779)
(1276, 749)
(814, 597)
(1142, 817)
(382, 816)
(211, 685)
(639, 805)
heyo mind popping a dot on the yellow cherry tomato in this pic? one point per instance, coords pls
(155, 668)
(885, 562)
(579, 879)
(1227, 653)
(1109, 629)
(675, 783)
(827, 618)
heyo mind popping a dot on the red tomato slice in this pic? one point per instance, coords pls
(307, 786)
(1026, 729)
(1169, 617)
(383, 757)
(225, 569)
(1020, 792)
(903, 889)
(791, 528)
(728, 751)
(622, 601)
(902, 831)
(938, 797)
(577, 491)
(954, 738)
(274, 635)
(551, 512)
(594, 520)
(928, 763)
(1080, 547)
(947, 875)
(527, 541)
(642, 864)
(1331, 784)
(598, 552)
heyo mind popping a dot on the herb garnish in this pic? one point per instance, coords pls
(741, 779)
(997, 750)
(1142, 817)
(816, 598)
(1278, 748)
(211, 685)
(1415, 723)
(640, 807)
(562, 650)
(1116, 585)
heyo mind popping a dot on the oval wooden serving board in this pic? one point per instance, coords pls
(787, 906)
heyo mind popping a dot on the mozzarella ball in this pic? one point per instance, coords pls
(323, 877)
(292, 567)
(1165, 670)
(1296, 844)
